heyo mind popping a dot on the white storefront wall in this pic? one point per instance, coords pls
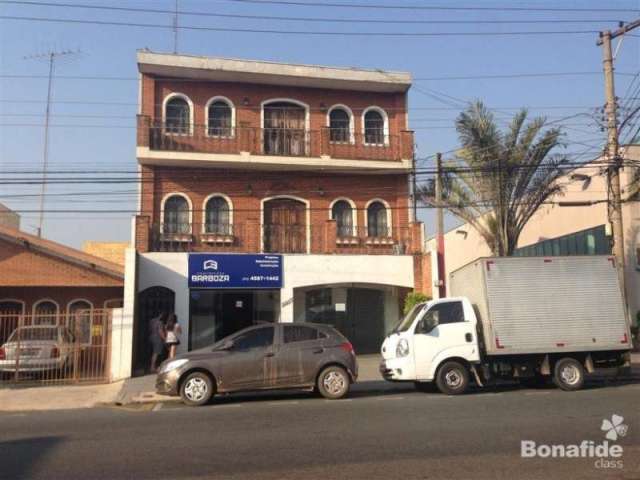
(170, 270)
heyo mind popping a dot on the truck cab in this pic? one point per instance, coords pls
(432, 336)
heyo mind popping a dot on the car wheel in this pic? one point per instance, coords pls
(197, 389)
(426, 387)
(452, 378)
(333, 383)
(568, 374)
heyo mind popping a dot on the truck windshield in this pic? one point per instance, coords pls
(408, 319)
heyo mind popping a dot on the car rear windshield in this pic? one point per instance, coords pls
(34, 334)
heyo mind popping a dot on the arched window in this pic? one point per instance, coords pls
(217, 216)
(219, 118)
(342, 213)
(79, 315)
(375, 127)
(377, 220)
(178, 115)
(339, 125)
(45, 312)
(176, 215)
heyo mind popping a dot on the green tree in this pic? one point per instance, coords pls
(497, 180)
(412, 299)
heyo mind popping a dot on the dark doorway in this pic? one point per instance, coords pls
(361, 320)
(365, 317)
(285, 229)
(215, 314)
(151, 302)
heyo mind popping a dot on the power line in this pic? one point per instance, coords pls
(425, 7)
(415, 79)
(305, 19)
(300, 32)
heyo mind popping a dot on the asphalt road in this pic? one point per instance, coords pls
(374, 434)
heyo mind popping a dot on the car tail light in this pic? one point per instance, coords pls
(55, 352)
(347, 347)
(3, 354)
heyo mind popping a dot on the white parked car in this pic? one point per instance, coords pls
(37, 348)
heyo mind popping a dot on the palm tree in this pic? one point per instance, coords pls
(497, 180)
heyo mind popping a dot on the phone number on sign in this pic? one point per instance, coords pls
(264, 278)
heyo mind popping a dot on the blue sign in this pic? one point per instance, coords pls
(224, 270)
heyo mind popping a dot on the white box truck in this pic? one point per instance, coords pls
(524, 318)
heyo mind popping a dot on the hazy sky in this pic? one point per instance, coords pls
(93, 120)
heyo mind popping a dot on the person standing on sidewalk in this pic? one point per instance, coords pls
(173, 332)
(157, 336)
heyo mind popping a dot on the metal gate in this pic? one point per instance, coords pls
(55, 348)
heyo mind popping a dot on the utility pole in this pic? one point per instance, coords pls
(51, 58)
(613, 156)
(442, 288)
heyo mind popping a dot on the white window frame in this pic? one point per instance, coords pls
(91, 309)
(340, 106)
(15, 300)
(388, 210)
(227, 199)
(164, 201)
(385, 129)
(354, 213)
(220, 98)
(34, 317)
(164, 113)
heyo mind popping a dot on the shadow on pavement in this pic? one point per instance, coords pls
(20, 458)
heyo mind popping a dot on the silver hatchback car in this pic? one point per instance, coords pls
(274, 356)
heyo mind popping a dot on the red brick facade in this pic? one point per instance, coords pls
(248, 188)
(34, 269)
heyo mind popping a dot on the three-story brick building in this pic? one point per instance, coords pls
(273, 192)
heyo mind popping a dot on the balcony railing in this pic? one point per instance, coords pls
(255, 238)
(274, 141)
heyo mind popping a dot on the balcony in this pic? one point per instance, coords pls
(275, 142)
(324, 238)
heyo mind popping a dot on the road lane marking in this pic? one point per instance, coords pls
(537, 393)
(284, 402)
(339, 401)
(389, 398)
(156, 407)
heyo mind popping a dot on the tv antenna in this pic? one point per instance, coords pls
(51, 57)
(175, 30)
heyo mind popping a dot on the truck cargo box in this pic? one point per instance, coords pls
(545, 304)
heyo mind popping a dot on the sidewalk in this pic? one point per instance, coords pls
(142, 390)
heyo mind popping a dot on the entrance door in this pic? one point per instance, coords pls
(151, 302)
(284, 129)
(285, 228)
(365, 319)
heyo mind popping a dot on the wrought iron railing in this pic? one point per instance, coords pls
(288, 142)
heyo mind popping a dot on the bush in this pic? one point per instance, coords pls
(412, 299)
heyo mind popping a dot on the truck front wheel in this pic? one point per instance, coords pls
(568, 374)
(452, 378)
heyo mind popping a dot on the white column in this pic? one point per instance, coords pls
(122, 322)
(286, 305)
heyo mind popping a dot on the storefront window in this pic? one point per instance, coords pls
(216, 314)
